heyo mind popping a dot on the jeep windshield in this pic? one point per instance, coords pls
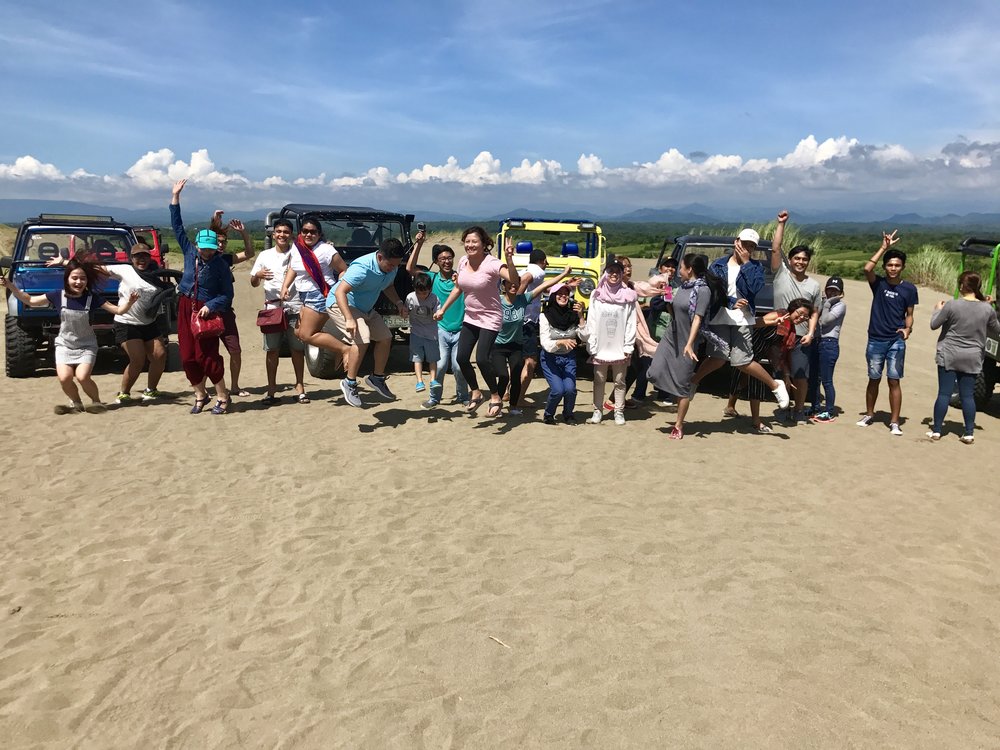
(361, 237)
(43, 244)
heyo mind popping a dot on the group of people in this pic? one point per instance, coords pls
(484, 306)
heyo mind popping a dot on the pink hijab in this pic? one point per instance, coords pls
(615, 294)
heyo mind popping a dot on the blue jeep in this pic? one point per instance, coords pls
(30, 332)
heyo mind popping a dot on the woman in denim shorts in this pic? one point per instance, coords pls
(314, 268)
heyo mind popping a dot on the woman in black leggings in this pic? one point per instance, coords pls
(478, 277)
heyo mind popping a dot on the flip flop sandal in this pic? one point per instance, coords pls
(221, 406)
(242, 392)
(270, 400)
(199, 405)
(303, 398)
(727, 412)
(496, 407)
(763, 429)
(474, 403)
(676, 434)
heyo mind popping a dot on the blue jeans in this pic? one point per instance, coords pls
(560, 373)
(886, 355)
(812, 390)
(828, 351)
(448, 351)
(946, 386)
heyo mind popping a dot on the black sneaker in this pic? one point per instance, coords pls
(548, 419)
(377, 384)
(569, 418)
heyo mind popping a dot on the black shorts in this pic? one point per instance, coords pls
(128, 332)
(531, 344)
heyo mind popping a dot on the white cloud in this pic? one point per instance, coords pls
(157, 170)
(589, 165)
(29, 168)
(810, 153)
(813, 169)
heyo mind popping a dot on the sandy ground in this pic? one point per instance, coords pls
(319, 576)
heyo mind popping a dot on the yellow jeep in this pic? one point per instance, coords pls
(578, 244)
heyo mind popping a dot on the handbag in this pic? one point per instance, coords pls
(272, 319)
(211, 327)
(207, 328)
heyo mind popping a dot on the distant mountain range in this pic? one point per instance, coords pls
(15, 210)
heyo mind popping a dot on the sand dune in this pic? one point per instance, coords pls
(320, 576)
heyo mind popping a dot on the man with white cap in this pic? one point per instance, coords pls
(730, 329)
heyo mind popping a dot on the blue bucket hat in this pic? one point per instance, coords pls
(207, 240)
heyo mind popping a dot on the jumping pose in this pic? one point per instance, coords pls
(76, 343)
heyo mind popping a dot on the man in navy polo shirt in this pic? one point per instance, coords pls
(889, 327)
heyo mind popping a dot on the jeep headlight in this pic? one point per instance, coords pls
(587, 286)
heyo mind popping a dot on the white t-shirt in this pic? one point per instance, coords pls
(727, 317)
(534, 308)
(324, 253)
(277, 263)
(128, 281)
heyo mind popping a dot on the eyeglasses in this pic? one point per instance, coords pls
(310, 231)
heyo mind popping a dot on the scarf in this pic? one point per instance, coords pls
(784, 332)
(311, 263)
(561, 318)
(614, 294)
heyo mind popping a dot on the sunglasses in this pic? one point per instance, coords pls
(310, 231)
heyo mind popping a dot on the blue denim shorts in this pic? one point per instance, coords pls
(885, 355)
(424, 350)
(314, 300)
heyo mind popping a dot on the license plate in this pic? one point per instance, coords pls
(395, 321)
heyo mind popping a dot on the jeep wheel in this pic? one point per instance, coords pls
(982, 391)
(322, 364)
(173, 357)
(21, 362)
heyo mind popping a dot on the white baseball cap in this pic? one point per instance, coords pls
(749, 235)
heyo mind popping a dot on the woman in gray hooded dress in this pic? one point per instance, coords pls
(964, 323)
(674, 362)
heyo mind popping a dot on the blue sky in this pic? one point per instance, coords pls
(483, 106)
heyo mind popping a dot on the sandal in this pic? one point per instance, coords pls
(270, 400)
(763, 429)
(676, 433)
(474, 403)
(242, 392)
(221, 406)
(303, 398)
(727, 412)
(199, 405)
(496, 407)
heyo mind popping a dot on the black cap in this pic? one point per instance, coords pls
(836, 282)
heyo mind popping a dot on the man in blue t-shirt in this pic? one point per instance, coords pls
(889, 327)
(351, 306)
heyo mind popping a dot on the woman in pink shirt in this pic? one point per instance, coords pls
(478, 278)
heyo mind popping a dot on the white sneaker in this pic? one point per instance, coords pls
(619, 418)
(781, 393)
(865, 421)
(350, 392)
(894, 429)
(595, 418)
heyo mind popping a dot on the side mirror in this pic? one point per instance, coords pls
(6, 262)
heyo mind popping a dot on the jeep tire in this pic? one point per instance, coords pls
(20, 361)
(322, 363)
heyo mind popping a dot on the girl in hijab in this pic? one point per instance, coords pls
(609, 332)
(558, 328)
